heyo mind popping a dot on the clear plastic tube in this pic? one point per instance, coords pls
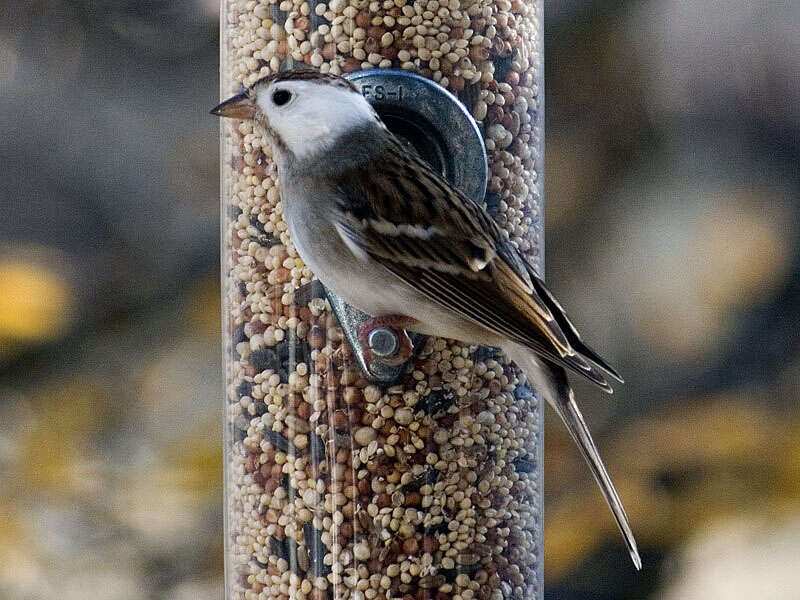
(337, 488)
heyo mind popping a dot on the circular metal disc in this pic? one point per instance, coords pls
(432, 121)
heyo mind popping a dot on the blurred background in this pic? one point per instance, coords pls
(673, 144)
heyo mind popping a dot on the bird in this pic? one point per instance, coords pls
(383, 230)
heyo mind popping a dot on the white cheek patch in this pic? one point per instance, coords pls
(318, 116)
(305, 136)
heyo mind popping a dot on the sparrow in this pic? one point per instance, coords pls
(389, 235)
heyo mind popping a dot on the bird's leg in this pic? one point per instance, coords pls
(397, 324)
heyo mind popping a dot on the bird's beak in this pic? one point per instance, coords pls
(240, 106)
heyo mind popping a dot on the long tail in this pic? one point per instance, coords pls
(551, 381)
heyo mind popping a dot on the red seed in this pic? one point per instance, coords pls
(410, 546)
(350, 64)
(362, 19)
(352, 395)
(340, 420)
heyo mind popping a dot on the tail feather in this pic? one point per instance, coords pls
(551, 381)
(569, 412)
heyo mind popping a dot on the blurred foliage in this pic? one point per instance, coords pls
(113, 478)
(673, 139)
(35, 304)
(733, 457)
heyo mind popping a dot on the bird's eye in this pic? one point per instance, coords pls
(281, 97)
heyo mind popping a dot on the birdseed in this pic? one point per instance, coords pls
(338, 489)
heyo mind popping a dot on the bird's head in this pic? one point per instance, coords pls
(303, 113)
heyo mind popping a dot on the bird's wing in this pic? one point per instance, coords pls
(449, 248)
(575, 340)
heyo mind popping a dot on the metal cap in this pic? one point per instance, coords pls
(432, 121)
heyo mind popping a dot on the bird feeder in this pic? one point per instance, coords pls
(400, 477)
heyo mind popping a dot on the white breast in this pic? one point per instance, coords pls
(307, 212)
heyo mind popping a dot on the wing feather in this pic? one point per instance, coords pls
(449, 248)
(566, 324)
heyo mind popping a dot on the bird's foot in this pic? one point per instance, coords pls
(392, 347)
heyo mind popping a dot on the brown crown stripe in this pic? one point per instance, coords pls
(306, 74)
